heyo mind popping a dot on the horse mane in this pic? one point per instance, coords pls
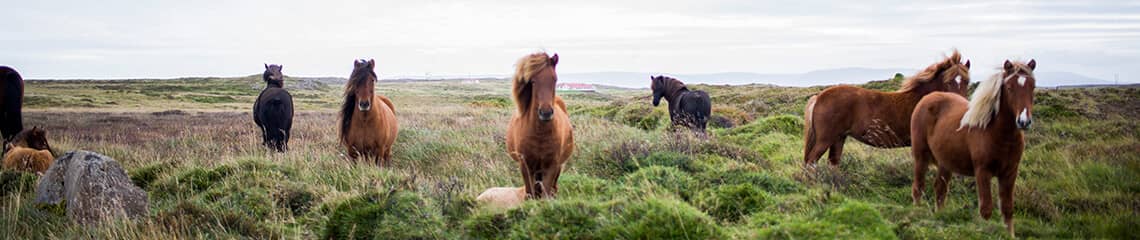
(359, 75)
(672, 85)
(986, 99)
(932, 71)
(525, 69)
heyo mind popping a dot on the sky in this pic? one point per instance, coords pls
(107, 39)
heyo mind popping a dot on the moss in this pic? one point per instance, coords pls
(656, 218)
(562, 219)
(662, 179)
(850, 220)
(12, 182)
(661, 158)
(764, 181)
(731, 202)
(393, 215)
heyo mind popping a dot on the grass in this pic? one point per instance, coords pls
(191, 144)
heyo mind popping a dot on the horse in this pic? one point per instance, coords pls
(273, 110)
(502, 197)
(687, 108)
(368, 124)
(539, 136)
(981, 137)
(11, 100)
(29, 151)
(879, 119)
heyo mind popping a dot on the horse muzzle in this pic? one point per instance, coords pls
(545, 115)
(364, 106)
(1024, 120)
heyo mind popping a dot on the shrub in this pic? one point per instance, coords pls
(730, 202)
(656, 218)
(641, 116)
(731, 117)
(583, 186)
(666, 159)
(16, 182)
(296, 198)
(393, 215)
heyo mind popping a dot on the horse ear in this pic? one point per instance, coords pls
(967, 64)
(1008, 66)
(1032, 64)
(357, 63)
(371, 63)
(554, 60)
(266, 65)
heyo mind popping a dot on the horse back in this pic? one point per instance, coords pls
(11, 101)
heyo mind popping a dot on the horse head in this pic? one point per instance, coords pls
(273, 76)
(1017, 91)
(534, 85)
(361, 84)
(657, 85)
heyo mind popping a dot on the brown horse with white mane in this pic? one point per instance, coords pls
(980, 137)
(539, 137)
(879, 119)
(368, 125)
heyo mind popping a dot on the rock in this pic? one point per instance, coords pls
(502, 197)
(93, 187)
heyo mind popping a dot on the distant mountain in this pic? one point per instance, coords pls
(821, 77)
(1054, 79)
(813, 78)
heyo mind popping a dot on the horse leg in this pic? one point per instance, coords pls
(1005, 192)
(985, 200)
(941, 185)
(814, 149)
(528, 180)
(550, 180)
(919, 186)
(836, 151)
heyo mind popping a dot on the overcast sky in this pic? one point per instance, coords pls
(137, 39)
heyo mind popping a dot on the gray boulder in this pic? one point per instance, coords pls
(93, 187)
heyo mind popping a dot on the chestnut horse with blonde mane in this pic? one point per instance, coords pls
(539, 137)
(879, 119)
(368, 125)
(980, 137)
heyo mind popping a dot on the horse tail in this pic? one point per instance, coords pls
(809, 127)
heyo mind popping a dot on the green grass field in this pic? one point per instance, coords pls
(192, 145)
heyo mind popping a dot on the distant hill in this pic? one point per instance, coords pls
(821, 77)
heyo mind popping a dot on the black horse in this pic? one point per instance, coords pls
(273, 111)
(686, 108)
(11, 100)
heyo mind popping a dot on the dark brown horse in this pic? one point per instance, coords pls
(879, 119)
(539, 137)
(11, 100)
(980, 138)
(687, 108)
(273, 110)
(368, 124)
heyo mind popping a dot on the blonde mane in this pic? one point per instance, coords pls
(525, 69)
(955, 59)
(986, 99)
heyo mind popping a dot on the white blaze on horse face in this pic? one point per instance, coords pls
(959, 79)
(1021, 80)
(1024, 115)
